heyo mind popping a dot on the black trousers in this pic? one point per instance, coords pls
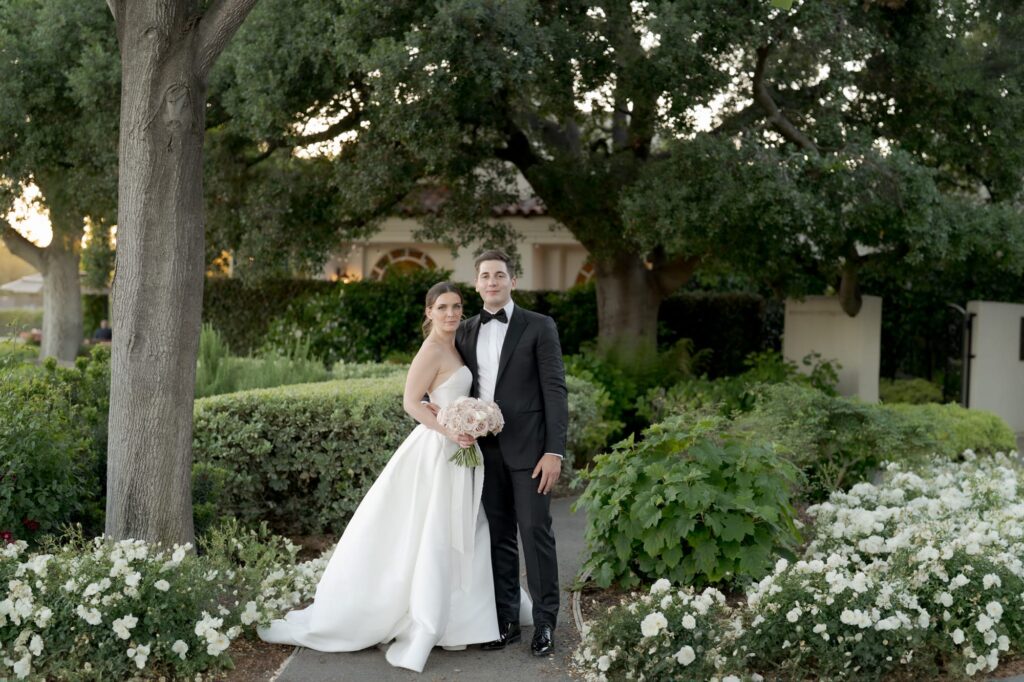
(511, 502)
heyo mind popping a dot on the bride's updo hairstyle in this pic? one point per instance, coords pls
(432, 295)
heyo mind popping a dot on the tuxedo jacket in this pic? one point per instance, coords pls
(530, 388)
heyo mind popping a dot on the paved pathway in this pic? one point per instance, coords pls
(472, 665)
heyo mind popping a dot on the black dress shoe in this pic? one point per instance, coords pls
(508, 633)
(543, 643)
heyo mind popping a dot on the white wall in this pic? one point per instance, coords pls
(818, 324)
(997, 372)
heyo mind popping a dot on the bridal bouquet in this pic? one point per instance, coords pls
(472, 417)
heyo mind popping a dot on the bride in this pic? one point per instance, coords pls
(413, 566)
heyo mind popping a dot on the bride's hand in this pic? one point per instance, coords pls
(464, 440)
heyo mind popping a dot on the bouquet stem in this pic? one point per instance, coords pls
(467, 457)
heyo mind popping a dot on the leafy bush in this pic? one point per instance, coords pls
(53, 435)
(912, 391)
(954, 429)
(589, 426)
(14, 352)
(368, 370)
(142, 611)
(835, 441)
(688, 503)
(627, 378)
(217, 371)
(730, 396)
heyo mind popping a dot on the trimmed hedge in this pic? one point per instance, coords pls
(302, 457)
(955, 429)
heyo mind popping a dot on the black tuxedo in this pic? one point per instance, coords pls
(531, 393)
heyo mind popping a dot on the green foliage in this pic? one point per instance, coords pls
(730, 396)
(627, 378)
(954, 429)
(95, 307)
(360, 321)
(368, 370)
(689, 503)
(835, 441)
(13, 353)
(229, 304)
(208, 484)
(14, 320)
(53, 435)
(912, 391)
(217, 371)
(589, 426)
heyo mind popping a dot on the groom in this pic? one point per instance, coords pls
(516, 360)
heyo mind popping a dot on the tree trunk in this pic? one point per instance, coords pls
(628, 299)
(62, 293)
(62, 303)
(850, 298)
(167, 49)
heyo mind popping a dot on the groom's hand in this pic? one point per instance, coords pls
(434, 409)
(549, 468)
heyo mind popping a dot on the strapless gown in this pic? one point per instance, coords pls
(413, 566)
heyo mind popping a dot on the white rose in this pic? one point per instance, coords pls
(179, 647)
(994, 609)
(689, 622)
(984, 623)
(23, 667)
(604, 663)
(991, 580)
(660, 586)
(794, 614)
(162, 585)
(686, 656)
(652, 624)
(36, 645)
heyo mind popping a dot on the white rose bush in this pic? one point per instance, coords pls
(105, 610)
(920, 576)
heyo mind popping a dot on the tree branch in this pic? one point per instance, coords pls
(21, 247)
(775, 116)
(670, 274)
(216, 27)
(349, 122)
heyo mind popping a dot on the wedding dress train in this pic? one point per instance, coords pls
(413, 564)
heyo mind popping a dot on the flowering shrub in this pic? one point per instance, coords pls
(689, 504)
(920, 576)
(678, 637)
(104, 610)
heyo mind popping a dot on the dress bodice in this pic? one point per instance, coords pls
(455, 386)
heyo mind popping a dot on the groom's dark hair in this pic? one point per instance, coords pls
(495, 254)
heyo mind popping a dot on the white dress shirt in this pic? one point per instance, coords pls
(488, 353)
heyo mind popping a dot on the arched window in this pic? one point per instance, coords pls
(400, 261)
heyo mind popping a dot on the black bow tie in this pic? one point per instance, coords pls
(500, 316)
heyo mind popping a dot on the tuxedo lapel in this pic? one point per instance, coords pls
(516, 326)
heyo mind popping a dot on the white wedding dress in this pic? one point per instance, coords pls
(413, 564)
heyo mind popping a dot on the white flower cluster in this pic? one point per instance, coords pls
(108, 594)
(928, 563)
